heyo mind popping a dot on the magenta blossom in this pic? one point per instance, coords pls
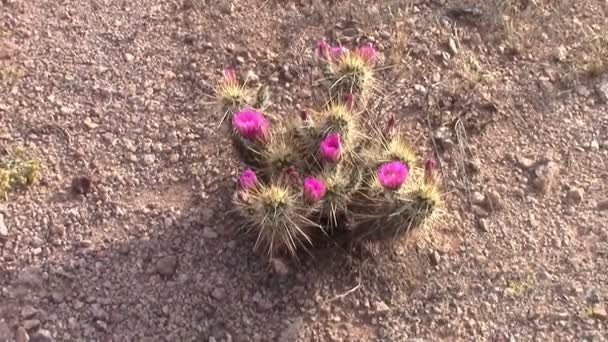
(248, 179)
(251, 124)
(368, 53)
(337, 52)
(314, 189)
(393, 174)
(230, 74)
(323, 49)
(331, 147)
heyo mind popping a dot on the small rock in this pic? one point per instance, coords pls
(98, 312)
(129, 57)
(30, 276)
(545, 176)
(574, 196)
(452, 46)
(250, 76)
(474, 165)
(602, 91)
(28, 312)
(581, 90)
(479, 211)
(525, 163)
(599, 311)
(83, 185)
(42, 335)
(594, 145)
(8, 50)
(149, 159)
(482, 224)
(560, 53)
(218, 293)
(279, 266)
(493, 201)
(381, 307)
(21, 335)
(166, 266)
(174, 158)
(31, 324)
(420, 89)
(435, 258)
(3, 228)
(602, 205)
(443, 137)
(209, 233)
(477, 198)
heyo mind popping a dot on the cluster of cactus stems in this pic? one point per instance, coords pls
(331, 170)
(17, 169)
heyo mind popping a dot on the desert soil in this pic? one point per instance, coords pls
(509, 95)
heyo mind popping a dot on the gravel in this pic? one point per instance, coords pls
(130, 235)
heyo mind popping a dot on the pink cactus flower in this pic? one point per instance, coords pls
(331, 147)
(314, 189)
(230, 74)
(251, 124)
(323, 49)
(368, 53)
(248, 179)
(393, 174)
(337, 52)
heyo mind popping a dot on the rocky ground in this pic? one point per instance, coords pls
(512, 95)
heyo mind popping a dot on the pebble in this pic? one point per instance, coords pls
(477, 198)
(525, 163)
(3, 228)
(31, 324)
(452, 46)
(479, 211)
(546, 176)
(42, 335)
(21, 335)
(218, 293)
(209, 233)
(174, 158)
(166, 266)
(493, 201)
(381, 307)
(602, 91)
(8, 50)
(574, 196)
(474, 165)
(599, 311)
(129, 57)
(149, 159)
(279, 266)
(28, 312)
(443, 136)
(602, 205)
(435, 258)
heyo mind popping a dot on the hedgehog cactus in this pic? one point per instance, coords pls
(331, 169)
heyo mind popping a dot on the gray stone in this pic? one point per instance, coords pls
(602, 91)
(21, 335)
(28, 312)
(31, 324)
(42, 335)
(545, 176)
(3, 228)
(381, 307)
(149, 159)
(477, 198)
(166, 266)
(218, 293)
(493, 201)
(209, 233)
(574, 196)
(479, 211)
(525, 163)
(602, 205)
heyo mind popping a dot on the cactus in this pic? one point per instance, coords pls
(332, 171)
